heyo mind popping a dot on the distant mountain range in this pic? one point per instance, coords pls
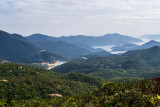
(127, 47)
(80, 45)
(151, 37)
(108, 39)
(43, 48)
(148, 45)
(15, 48)
(64, 49)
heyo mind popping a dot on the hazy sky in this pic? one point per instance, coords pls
(73, 17)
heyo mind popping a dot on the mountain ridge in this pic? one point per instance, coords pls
(107, 39)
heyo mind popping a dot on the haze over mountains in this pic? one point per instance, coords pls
(127, 47)
(80, 45)
(43, 48)
(121, 42)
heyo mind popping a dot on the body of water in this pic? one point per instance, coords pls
(58, 63)
(108, 47)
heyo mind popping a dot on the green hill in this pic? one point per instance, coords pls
(140, 94)
(138, 64)
(19, 82)
(150, 56)
(143, 93)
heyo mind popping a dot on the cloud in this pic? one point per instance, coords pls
(78, 12)
(81, 7)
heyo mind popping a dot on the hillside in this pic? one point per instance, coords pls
(20, 83)
(138, 64)
(143, 93)
(140, 94)
(66, 50)
(150, 56)
(32, 86)
(108, 39)
(15, 48)
(148, 45)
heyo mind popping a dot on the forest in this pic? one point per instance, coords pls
(33, 86)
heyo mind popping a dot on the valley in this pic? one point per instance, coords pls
(78, 71)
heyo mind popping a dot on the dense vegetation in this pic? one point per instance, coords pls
(145, 93)
(18, 83)
(138, 64)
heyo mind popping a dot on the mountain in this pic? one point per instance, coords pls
(15, 48)
(66, 50)
(139, 63)
(80, 45)
(151, 56)
(40, 37)
(148, 45)
(151, 37)
(18, 37)
(108, 39)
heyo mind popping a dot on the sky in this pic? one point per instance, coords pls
(80, 17)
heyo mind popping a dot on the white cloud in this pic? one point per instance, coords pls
(45, 15)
